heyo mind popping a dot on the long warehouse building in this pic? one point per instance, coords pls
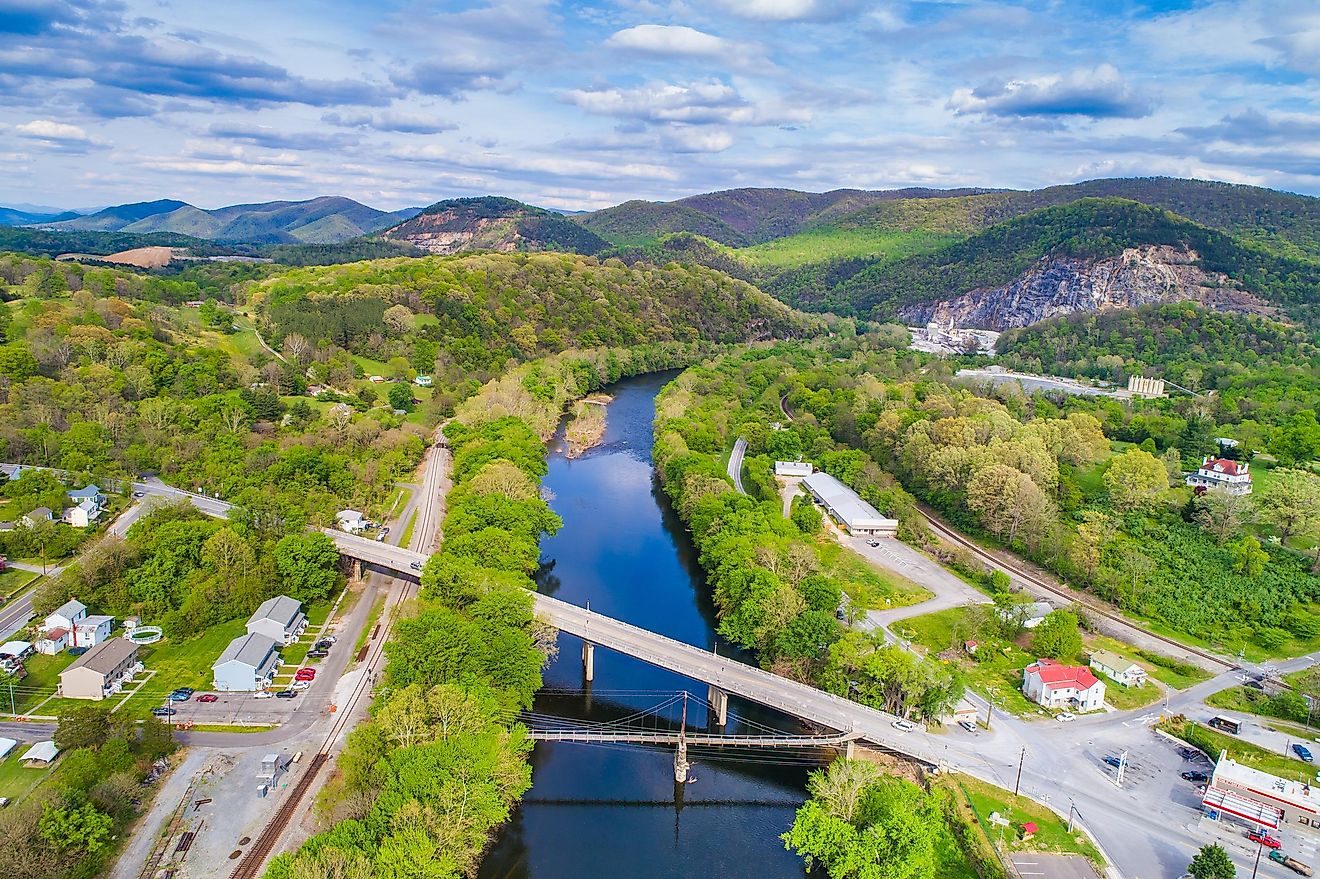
(845, 507)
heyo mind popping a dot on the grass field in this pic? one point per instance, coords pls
(14, 581)
(868, 586)
(820, 245)
(1052, 831)
(408, 529)
(42, 678)
(17, 779)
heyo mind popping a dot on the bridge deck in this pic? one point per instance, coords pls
(652, 737)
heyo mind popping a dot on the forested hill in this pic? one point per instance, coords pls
(493, 223)
(474, 312)
(1083, 231)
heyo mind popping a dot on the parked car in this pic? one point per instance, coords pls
(328, 639)
(139, 494)
(1264, 839)
(300, 685)
(1303, 753)
(380, 537)
(162, 711)
(208, 697)
(305, 671)
(967, 725)
(317, 654)
(1291, 863)
(1113, 761)
(323, 644)
(1196, 777)
(904, 725)
(1064, 717)
(286, 694)
(416, 566)
(873, 543)
(178, 696)
(262, 694)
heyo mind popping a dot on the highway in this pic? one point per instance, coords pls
(736, 462)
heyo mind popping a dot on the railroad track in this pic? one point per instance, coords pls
(255, 858)
(1091, 605)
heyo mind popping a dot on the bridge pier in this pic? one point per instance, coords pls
(681, 764)
(850, 750)
(588, 661)
(719, 706)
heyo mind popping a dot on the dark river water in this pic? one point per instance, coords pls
(615, 811)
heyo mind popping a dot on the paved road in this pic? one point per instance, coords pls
(894, 555)
(736, 462)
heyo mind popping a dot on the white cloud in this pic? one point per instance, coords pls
(697, 103)
(53, 132)
(664, 39)
(787, 10)
(1098, 93)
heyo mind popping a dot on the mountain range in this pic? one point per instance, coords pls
(994, 258)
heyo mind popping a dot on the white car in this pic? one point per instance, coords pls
(300, 685)
(1065, 717)
(263, 694)
(904, 725)
(967, 725)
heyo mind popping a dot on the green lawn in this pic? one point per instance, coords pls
(834, 243)
(868, 586)
(42, 679)
(993, 673)
(14, 581)
(372, 618)
(1241, 699)
(408, 529)
(1052, 831)
(1179, 678)
(17, 779)
(1126, 698)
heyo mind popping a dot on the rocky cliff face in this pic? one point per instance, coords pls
(491, 223)
(1059, 285)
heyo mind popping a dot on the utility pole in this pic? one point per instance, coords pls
(1022, 758)
(1256, 866)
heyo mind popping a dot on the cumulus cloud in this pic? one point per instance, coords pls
(1096, 93)
(788, 10)
(56, 135)
(664, 39)
(697, 103)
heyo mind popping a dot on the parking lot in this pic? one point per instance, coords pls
(1039, 866)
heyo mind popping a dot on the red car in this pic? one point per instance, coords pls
(208, 697)
(1264, 839)
(304, 674)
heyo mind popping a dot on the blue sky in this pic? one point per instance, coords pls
(580, 105)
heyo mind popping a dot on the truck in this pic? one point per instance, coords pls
(1290, 862)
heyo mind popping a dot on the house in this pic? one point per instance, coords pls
(101, 671)
(88, 493)
(845, 507)
(351, 521)
(1118, 669)
(280, 619)
(793, 468)
(247, 664)
(1055, 685)
(1231, 476)
(376, 379)
(422, 381)
(40, 514)
(41, 753)
(82, 515)
(53, 641)
(92, 630)
(15, 651)
(1036, 613)
(67, 615)
(965, 710)
(970, 647)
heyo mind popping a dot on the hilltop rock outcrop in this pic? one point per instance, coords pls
(1058, 285)
(490, 223)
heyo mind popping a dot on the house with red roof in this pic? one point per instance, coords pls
(1231, 476)
(1054, 685)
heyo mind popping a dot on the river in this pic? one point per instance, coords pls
(614, 811)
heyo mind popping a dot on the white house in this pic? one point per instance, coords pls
(422, 381)
(351, 521)
(793, 468)
(1231, 476)
(82, 515)
(280, 619)
(88, 493)
(1118, 669)
(40, 514)
(248, 663)
(53, 641)
(1054, 685)
(67, 615)
(92, 630)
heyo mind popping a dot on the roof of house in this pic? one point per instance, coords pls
(845, 503)
(105, 657)
(1113, 661)
(282, 609)
(95, 621)
(1056, 674)
(90, 491)
(55, 634)
(348, 516)
(1225, 466)
(70, 609)
(88, 505)
(251, 649)
(7, 745)
(39, 513)
(43, 751)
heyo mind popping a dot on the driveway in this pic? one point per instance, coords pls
(894, 555)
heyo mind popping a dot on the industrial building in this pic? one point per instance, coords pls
(793, 468)
(844, 506)
(101, 671)
(1260, 799)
